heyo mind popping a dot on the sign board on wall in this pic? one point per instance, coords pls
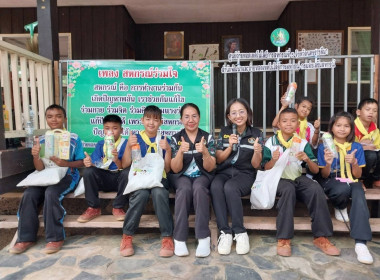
(125, 88)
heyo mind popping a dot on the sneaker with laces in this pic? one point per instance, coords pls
(341, 215)
(126, 247)
(283, 248)
(118, 213)
(53, 247)
(362, 253)
(326, 246)
(21, 247)
(242, 243)
(224, 243)
(203, 248)
(89, 214)
(167, 247)
(180, 248)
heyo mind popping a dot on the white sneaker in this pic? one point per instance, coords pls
(180, 248)
(203, 249)
(242, 243)
(362, 253)
(339, 216)
(224, 243)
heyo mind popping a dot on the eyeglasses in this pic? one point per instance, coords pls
(240, 113)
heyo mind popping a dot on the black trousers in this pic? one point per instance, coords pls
(340, 193)
(226, 193)
(53, 211)
(309, 192)
(371, 171)
(96, 179)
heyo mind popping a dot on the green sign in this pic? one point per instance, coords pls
(279, 37)
(98, 88)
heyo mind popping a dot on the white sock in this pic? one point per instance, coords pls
(203, 249)
(180, 248)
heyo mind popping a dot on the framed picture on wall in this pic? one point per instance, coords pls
(230, 44)
(314, 39)
(174, 44)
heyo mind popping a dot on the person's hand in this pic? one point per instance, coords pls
(276, 154)
(284, 103)
(233, 139)
(87, 160)
(164, 145)
(115, 155)
(368, 145)
(132, 139)
(350, 158)
(36, 148)
(302, 156)
(59, 162)
(317, 124)
(200, 146)
(329, 156)
(185, 146)
(257, 147)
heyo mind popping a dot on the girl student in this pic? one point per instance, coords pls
(193, 163)
(306, 130)
(338, 177)
(238, 153)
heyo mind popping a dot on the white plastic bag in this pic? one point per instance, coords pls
(147, 173)
(46, 177)
(80, 188)
(263, 192)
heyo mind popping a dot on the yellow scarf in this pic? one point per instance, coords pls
(151, 145)
(303, 127)
(286, 144)
(374, 135)
(343, 148)
(105, 159)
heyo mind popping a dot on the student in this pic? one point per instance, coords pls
(235, 174)
(193, 162)
(367, 133)
(338, 180)
(152, 120)
(293, 186)
(305, 130)
(103, 174)
(50, 196)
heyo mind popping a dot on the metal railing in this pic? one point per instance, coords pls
(27, 84)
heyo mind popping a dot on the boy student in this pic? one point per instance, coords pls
(367, 134)
(103, 174)
(293, 185)
(160, 195)
(50, 196)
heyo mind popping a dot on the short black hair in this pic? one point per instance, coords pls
(288, 110)
(184, 106)
(304, 98)
(367, 101)
(112, 118)
(243, 102)
(153, 110)
(56, 106)
(343, 114)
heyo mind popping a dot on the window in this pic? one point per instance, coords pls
(359, 42)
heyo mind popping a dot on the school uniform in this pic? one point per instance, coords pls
(371, 171)
(192, 185)
(294, 186)
(51, 197)
(108, 178)
(234, 178)
(340, 193)
(139, 198)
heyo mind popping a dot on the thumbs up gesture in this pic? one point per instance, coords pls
(200, 146)
(185, 146)
(276, 154)
(317, 124)
(87, 160)
(256, 146)
(36, 147)
(350, 158)
(132, 139)
(164, 145)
